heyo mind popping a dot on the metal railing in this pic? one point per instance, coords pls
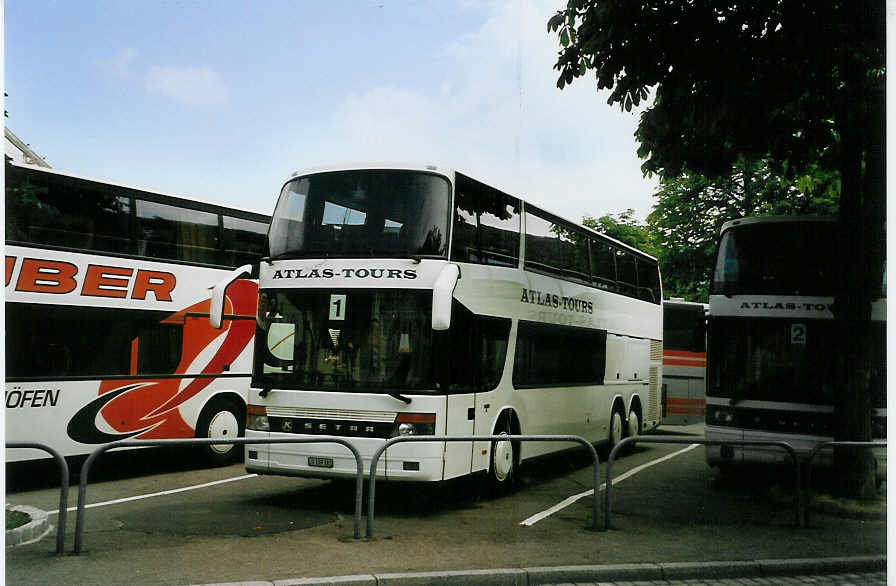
(85, 469)
(63, 487)
(817, 450)
(681, 440)
(479, 438)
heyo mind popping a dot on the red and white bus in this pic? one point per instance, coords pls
(107, 304)
(684, 361)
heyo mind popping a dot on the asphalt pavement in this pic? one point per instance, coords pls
(673, 515)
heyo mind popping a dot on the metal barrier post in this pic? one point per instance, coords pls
(815, 452)
(85, 469)
(371, 490)
(63, 489)
(680, 440)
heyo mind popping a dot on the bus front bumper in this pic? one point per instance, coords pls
(719, 455)
(403, 462)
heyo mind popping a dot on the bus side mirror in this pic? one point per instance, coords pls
(216, 312)
(442, 294)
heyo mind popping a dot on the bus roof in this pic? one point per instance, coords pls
(450, 173)
(678, 302)
(774, 219)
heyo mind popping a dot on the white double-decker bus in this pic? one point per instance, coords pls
(684, 361)
(107, 330)
(417, 300)
(772, 340)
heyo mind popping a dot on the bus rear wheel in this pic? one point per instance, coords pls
(634, 424)
(222, 418)
(616, 427)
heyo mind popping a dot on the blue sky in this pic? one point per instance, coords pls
(222, 100)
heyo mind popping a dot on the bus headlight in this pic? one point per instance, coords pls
(257, 418)
(414, 424)
(720, 416)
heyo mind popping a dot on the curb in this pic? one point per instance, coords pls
(31, 531)
(602, 573)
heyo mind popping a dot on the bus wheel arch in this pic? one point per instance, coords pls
(224, 415)
(504, 457)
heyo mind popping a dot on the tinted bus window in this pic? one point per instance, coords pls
(476, 348)
(553, 355)
(165, 231)
(243, 240)
(556, 247)
(487, 224)
(55, 210)
(362, 213)
(626, 273)
(684, 328)
(648, 281)
(603, 265)
(59, 341)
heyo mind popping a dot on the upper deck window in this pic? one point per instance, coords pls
(486, 224)
(362, 213)
(556, 247)
(782, 258)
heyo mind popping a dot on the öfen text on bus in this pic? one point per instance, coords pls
(417, 300)
(772, 340)
(107, 304)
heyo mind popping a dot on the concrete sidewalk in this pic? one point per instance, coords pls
(864, 570)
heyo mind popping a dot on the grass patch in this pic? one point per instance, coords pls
(16, 519)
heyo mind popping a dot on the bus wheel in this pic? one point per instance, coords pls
(221, 418)
(615, 427)
(634, 424)
(503, 464)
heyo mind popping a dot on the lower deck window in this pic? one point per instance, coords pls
(555, 355)
(60, 341)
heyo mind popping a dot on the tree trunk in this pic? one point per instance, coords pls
(855, 468)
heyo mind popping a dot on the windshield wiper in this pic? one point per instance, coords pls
(400, 397)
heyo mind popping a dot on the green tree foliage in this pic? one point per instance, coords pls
(798, 84)
(625, 228)
(691, 209)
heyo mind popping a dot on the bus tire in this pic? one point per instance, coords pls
(224, 418)
(616, 426)
(504, 459)
(634, 424)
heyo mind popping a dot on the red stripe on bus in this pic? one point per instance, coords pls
(678, 362)
(685, 401)
(683, 411)
(684, 353)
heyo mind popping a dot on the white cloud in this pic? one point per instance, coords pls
(498, 115)
(194, 86)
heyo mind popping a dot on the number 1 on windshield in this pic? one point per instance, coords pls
(337, 307)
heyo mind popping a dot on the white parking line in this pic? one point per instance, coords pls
(570, 500)
(155, 494)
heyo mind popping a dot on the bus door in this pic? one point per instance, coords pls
(460, 410)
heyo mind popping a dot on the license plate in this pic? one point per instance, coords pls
(320, 462)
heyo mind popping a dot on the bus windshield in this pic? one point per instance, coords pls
(782, 258)
(362, 213)
(362, 340)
